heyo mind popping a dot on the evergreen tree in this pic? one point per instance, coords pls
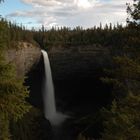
(12, 92)
(122, 120)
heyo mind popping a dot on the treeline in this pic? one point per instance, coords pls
(108, 36)
(14, 33)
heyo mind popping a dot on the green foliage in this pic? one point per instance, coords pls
(79, 36)
(3, 34)
(12, 92)
(12, 98)
(122, 120)
(4, 128)
(29, 127)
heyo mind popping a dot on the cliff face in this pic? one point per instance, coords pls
(76, 73)
(24, 57)
(65, 62)
(78, 60)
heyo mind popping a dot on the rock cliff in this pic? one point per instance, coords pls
(24, 57)
(76, 73)
(78, 60)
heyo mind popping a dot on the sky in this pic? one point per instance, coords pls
(70, 13)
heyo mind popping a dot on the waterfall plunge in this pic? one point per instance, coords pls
(51, 114)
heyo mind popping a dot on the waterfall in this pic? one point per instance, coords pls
(51, 114)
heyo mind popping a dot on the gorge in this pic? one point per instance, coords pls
(78, 88)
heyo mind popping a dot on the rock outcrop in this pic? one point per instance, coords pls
(24, 57)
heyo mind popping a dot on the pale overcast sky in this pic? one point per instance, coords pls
(71, 13)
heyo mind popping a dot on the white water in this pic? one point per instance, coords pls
(51, 114)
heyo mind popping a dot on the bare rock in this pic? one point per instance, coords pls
(24, 57)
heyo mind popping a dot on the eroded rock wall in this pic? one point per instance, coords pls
(24, 57)
(76, 73)
(78, 60)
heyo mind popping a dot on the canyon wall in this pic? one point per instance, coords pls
(24, 56)
(78, 60)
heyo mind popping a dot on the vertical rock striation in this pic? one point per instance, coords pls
(24, 57)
